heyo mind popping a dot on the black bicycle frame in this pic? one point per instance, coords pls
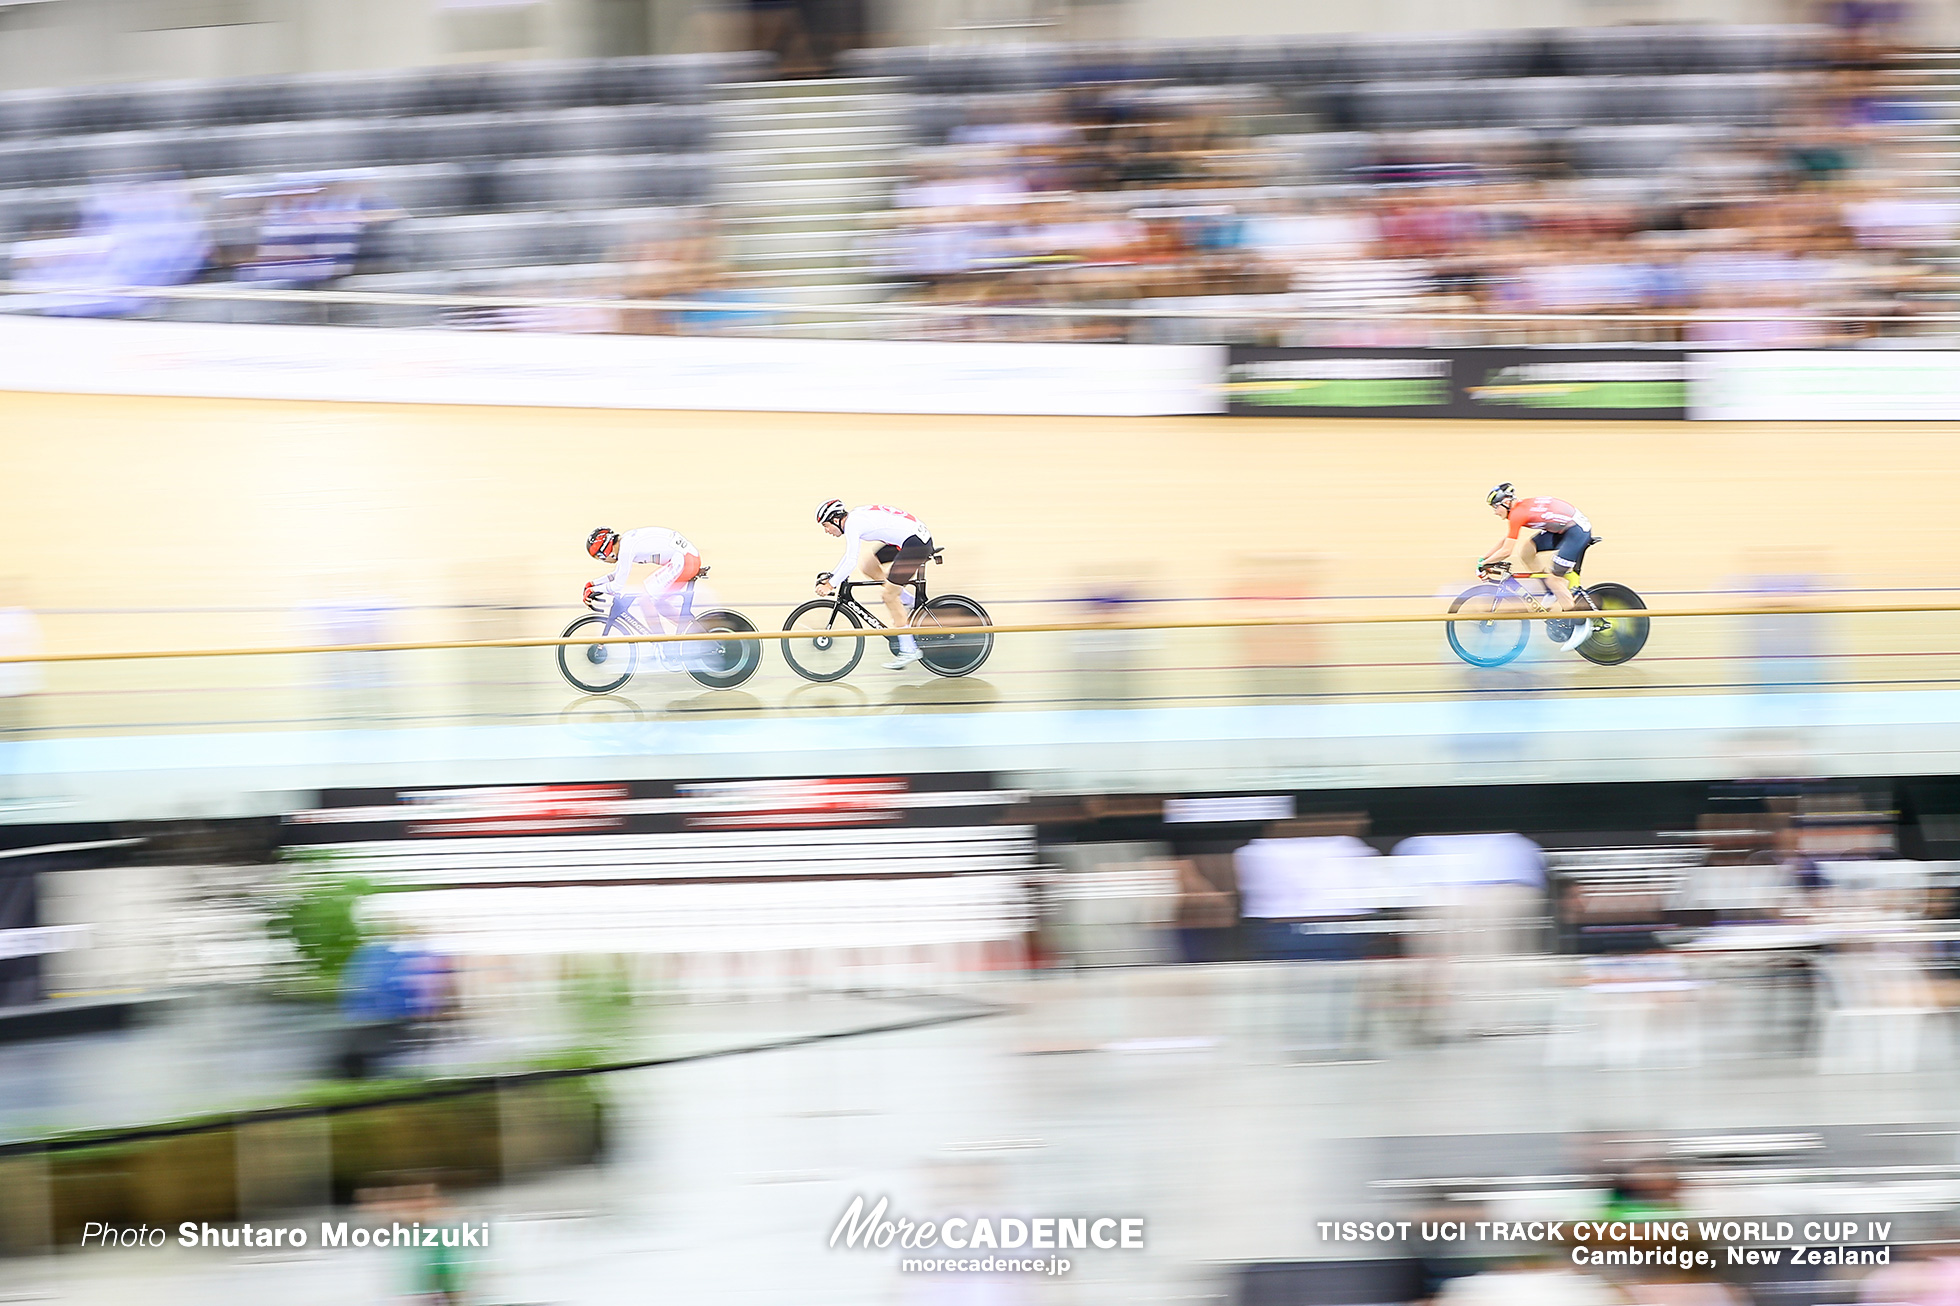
(918, 584)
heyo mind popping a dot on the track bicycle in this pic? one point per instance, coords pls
(605, 668)
(1493, 643)
(941, 627)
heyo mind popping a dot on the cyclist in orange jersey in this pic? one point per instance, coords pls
(1537, 525)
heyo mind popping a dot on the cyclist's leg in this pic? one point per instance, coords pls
(878, 567)
(1528, 559)
(1544, 560)
(661, 608)
(1572, 544)
(874, 561)
(900, 569)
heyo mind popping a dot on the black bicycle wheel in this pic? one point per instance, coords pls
(1623, 637)
(829, 656)
(722, 663)
(1487, 643)
(945, 646)
(598, 668)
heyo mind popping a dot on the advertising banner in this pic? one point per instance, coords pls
(1337, 382)
(1640, 384)
(647, 807)
(1827, 385)
(1629, 384)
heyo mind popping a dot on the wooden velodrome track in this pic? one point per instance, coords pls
(164, 522)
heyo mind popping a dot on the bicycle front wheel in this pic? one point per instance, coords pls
(1623, 637)
(598, 668)
(1487, 643)
(833, 653)
(721, 663)
(945, 645)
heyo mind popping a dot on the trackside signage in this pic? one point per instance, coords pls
(1504, 383)
(1386, 383)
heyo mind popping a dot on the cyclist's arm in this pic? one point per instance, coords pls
(615, 580)
(1510, 544)
(629, 549)
(848, 564)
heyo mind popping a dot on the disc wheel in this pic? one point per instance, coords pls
(598, 668)
(1624, 636)
(831, 655)
(1487, 643)
(721, 664)
(945, 645)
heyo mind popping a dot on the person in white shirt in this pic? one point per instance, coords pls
(674, 559)
(885, 544)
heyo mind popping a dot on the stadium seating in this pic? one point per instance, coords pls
(508, 176)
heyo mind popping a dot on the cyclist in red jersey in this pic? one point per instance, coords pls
(1539, 524)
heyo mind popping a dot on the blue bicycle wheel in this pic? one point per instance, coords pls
(1487, 643)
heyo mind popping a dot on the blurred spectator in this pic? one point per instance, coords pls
(1648, 1190)
(390, 989)
(433, 1275)
(130, 233)
(786, 29)
(1207, 910)
(1299, 892)
(685, 262)
(311, 233)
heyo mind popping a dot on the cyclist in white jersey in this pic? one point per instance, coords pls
(886, 544)
(674, 559)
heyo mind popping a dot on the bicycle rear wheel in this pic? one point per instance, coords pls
(831, 655)
(946, 648)
(598, 668)
(1487, 643)
(1623, 637)
(721, 664)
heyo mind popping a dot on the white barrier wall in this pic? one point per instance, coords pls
(212, 360)
(699, 373)
(1820, 385)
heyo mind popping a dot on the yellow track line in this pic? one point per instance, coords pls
(869, 632)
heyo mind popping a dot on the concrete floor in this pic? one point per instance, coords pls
(1210, 1101)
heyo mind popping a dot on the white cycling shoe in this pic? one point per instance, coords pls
(1583, 631)
(903, 660)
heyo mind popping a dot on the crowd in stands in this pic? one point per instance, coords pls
(1491, 182)
(1121, 195)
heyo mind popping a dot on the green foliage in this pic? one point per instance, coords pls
(320, 917)
(598, 995)
(490, 1130)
